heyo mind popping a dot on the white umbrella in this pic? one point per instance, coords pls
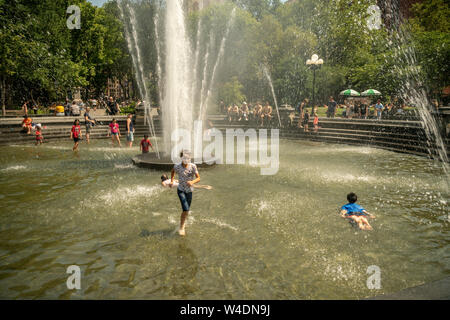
(350, 93)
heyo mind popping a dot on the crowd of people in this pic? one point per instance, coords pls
(363, 109)
(75, 107)
(89, 123)
(354, 108)
(250, 113)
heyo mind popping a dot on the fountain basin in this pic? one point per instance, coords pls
(165, 163)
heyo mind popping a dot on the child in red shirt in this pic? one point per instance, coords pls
(39, 137)
(27, 124)
(146, 144)
(316, 122)
(75, 134)
(115, 131)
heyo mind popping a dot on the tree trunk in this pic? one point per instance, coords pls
(3, 93)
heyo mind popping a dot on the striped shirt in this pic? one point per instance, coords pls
(185, 175)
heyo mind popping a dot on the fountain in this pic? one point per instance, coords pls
(269, 79)
(412, 90)
(251, 238)
(179, 80)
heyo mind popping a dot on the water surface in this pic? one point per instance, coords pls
(252, 237)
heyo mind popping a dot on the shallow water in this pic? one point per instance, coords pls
(252, 237)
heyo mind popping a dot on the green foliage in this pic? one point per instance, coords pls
(130, 109)
(41, 57)
(231, 92)
(431, 37)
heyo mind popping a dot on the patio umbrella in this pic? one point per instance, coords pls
(371, 92)
(350, 93)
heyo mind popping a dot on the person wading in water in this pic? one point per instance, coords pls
(187, 176)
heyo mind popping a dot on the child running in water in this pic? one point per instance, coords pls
(188, 176)
(39, 136)
(75, 134)
(356, 213)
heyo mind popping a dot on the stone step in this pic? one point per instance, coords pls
(394, 145)
(47, 138)
(370, 135)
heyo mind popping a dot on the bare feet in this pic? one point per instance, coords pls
(182, 232)
(365, 227)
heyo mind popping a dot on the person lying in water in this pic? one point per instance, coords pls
(356, 213)
(165, 182)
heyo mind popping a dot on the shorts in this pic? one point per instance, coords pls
(76, 139)
(185, 199)
(88, 129)
(358, 214)
(130, 137)
(114, 133)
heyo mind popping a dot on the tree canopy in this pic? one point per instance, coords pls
(41, 57)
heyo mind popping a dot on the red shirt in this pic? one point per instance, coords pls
(316, 121)
(76, 131)
(146, 144)
(114, 127)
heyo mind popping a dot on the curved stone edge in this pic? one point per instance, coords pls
(436, 290)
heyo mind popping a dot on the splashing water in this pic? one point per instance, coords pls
(177, 102)
(133, 47)
(266, 73)
(412, 90)
(178, 80)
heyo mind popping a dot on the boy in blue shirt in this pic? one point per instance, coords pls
(356, 213)
(379, 108)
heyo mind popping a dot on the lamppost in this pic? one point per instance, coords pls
(314, 63)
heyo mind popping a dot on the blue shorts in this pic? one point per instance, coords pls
(185, 199)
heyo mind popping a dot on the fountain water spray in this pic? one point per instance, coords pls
(132, 39)
(266, 73)
(178, 82)
(412, 90)
(158, 53)
(205, 71)
(197, 56)
(177, 102)
(204, 105)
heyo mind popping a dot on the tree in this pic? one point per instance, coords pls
(230, 92)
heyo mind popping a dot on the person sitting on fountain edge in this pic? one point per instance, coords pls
(356, 213)
(146, 144)
(165, 182)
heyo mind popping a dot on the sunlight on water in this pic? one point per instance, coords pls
(251, 237)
